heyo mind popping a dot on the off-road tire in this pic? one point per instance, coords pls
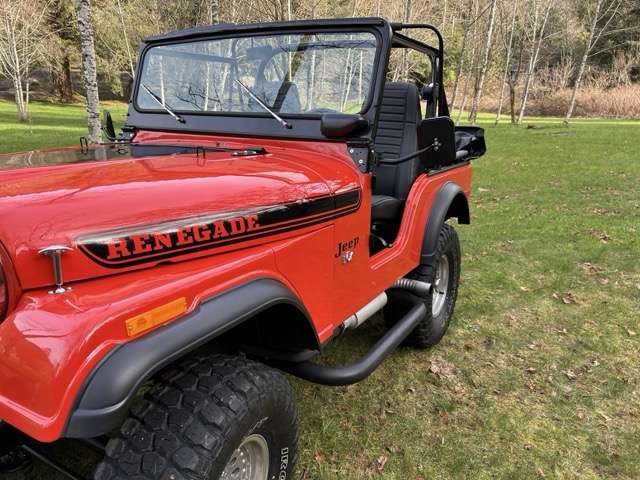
(433, 327)
(195, 416)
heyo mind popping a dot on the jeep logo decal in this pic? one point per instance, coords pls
(152, 243)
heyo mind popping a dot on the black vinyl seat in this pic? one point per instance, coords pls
(385, 208)
(396, 136)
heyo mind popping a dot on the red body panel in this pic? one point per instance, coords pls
(65, 336)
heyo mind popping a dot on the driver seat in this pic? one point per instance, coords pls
(396, 136)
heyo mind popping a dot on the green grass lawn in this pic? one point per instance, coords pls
(51, 125)
(538, 376)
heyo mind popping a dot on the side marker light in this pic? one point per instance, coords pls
(156, 316)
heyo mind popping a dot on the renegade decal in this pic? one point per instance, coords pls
(124, 248)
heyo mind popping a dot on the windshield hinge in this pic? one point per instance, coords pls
(362, 154)
(128, 132)
(247, 152)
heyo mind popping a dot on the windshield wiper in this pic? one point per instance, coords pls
(283, 122)
(163, 105)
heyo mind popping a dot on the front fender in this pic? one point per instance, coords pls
(105, 398)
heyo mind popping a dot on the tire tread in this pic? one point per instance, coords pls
(184, 420)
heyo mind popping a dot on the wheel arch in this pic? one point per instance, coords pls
(106, 395)
(450, 202)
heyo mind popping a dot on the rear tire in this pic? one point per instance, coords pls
(443, 273)
(209, 418)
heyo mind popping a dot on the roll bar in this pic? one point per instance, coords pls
(443, 107)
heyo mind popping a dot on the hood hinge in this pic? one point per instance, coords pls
(362, 154)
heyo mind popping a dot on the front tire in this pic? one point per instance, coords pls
(443, 273)
(209, 418)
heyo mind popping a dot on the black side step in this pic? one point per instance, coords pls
(349, 374)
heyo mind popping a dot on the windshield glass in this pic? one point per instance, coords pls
(292, 73)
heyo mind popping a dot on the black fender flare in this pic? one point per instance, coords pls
(450, 202)
(103, 401)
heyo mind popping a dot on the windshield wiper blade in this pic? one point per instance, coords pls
(163, 105)
(283, 122)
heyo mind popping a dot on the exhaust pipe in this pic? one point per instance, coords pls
(417, 287)
(366, 312)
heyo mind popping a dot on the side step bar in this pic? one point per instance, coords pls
(349, 374)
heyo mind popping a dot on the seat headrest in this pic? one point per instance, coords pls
(406, 94)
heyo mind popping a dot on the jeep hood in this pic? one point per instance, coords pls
(120, 210)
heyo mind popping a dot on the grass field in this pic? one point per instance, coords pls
(539, 375)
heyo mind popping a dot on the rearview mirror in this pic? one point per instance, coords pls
(107, 126)
(341, 124)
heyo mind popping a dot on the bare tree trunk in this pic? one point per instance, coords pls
(213, 11)
(126, 39)
(312, 81)
(485, 64)
(512, 78)
(507, 62)
(512, 102)
(21, 106)
(406, 18)
(67, 81)
(592, 39)
(536, 44)
(576, 87)
(459, 69)
(472, 59)
(444, 16)
(85, 28)
(13, 58)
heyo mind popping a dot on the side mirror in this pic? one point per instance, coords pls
(440, 131)
(107, 126)
(341, 124)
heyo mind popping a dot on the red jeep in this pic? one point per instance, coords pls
(274, 186)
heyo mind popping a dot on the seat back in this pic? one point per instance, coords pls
(283, 97)
(397, 136)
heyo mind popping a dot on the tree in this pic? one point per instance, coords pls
(23, 34)
(599, 15)
(537, 38)
(212, 9)
(85, 28)
(507, 62)
(472, 58)
(484, 65)
(63, 49)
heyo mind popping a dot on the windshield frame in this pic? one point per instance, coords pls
(365, 107)
(305, 125)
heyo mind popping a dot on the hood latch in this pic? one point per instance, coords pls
(55, 252)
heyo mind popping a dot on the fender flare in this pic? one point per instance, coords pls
(106, 395)
(450, 201)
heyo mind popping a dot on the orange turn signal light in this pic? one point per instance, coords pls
(156, 316)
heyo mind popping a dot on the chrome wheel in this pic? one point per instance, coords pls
(250, 461)
(440, 286)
